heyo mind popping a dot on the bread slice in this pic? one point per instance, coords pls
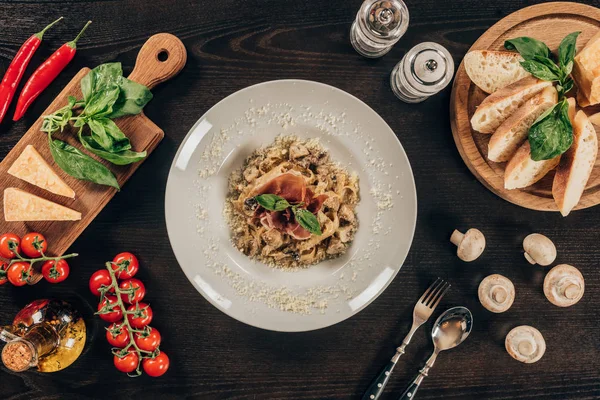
(31, 167)
(576, 165)
(22, 206)
(522, 171)
(498, 106)
(513, 131)
(493, 70)
(586, 72)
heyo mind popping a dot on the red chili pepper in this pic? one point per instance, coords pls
(17, 67)
(46, 73)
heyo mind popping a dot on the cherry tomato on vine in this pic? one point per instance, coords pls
(55, 271)
(9, 242)
(19, 273)
(3, 273)
(148, 340)
(127, 363)
(156, 366)
(34, 244)
(117, 334)
(141, 317)
(125, 265)
(137, 295)
(111, 303)
(99, 278)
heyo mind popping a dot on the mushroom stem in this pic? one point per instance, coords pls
(530, 259)
(456, 237)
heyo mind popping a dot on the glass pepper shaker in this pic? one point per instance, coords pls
(379, 24)
(424, 70)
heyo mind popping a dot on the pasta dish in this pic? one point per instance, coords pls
(290, 205)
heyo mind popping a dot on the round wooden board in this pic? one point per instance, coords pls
(549, 22)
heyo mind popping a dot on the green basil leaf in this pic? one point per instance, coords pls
(272, 202)
(567, 69)
(101, 102)
(568, 85)
(80, 165)
(567, 49)
(132, 99)
(308, 221)
(528, 47)
(99, 134)
(539, 70)
(100, 78)
(551, 134)
(124, 157)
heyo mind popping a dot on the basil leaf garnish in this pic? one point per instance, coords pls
(528, 47)
(539, 70)
(101, 77)
(101, 102)
(551, 134)
(124, 157)
(566, 51)
(132, 99)
(272, 202)
(307, 220)
(80, 165)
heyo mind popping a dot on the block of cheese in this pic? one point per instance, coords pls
(22, 206)
(31, 167)
(586, 73)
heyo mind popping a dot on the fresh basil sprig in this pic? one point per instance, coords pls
(106, 95)
(305, 218)
(551, 134)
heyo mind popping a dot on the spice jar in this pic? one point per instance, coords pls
(46, 334)
(424, 70)
(379, 24)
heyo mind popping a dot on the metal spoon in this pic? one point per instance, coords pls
(449, 330)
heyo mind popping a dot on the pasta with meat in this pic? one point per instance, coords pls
(302, 173)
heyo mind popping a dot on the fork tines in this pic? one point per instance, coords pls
(433, 295)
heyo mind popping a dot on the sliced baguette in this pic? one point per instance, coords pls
(498, 106)
(493, 70)
(576, 165)
(513, 131)
(521, 171)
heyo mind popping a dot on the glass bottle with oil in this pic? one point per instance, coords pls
(47, 334)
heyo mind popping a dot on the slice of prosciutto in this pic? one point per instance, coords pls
(291, 186)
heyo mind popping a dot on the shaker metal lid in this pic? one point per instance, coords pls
(429, 67)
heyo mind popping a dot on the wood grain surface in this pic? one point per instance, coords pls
(549, 22)
(91, 198)
(234, 44)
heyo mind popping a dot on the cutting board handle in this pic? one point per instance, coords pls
(159, 59)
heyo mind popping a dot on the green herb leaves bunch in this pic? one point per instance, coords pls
(106, 95)
(551, 134)
(305, 218)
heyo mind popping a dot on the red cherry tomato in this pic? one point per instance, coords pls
(9, 242)
(156, 366)
(137, 295)
(125, 265)
(55, 271)
(111, 302)
(127, 363)
(99, 278)
(19, 273)
(117, 334)
(141, 317)
(3, 274)
(34, 244)
(148, 340)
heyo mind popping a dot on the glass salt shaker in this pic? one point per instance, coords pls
(378, 26)
(425, 70)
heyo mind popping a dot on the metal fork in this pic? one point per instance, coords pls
(423, 310)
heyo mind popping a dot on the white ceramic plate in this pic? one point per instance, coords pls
(326, 293)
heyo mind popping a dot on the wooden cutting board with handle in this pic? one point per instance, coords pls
(549, 22)
(159, 59)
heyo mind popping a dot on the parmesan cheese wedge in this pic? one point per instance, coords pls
(31, 167)
(22, 206)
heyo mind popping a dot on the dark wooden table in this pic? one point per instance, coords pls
(234, 44)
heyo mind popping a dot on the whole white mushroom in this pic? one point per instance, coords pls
(469, 245)
(539, 249)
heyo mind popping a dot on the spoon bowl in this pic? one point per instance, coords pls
(452, 328)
